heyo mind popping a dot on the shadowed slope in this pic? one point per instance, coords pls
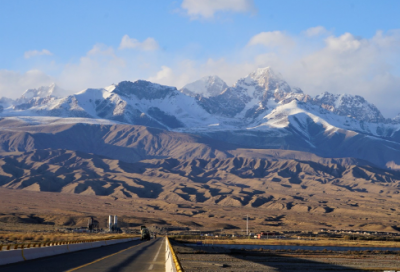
(234, 181)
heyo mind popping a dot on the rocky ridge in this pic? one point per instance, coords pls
(260, 110)
(207, 87)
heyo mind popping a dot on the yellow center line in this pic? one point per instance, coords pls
(98, 260)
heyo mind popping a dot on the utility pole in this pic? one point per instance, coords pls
(247, 225)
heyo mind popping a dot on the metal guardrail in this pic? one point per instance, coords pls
(54, 243)
(174, 258)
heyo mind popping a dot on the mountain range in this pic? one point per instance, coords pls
(260, 111)
(203, 155)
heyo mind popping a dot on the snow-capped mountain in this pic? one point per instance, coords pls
(347, 105)
(396, 119)
(32, 97)
(42, 92)
(260, 110)
(35, 97)
(207, 87)
(248, 104)
(5, 103)
(249, 96)
(147, 103)
(262, 90)
(139, 103)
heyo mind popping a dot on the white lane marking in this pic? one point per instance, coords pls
(155, 258)
(158, 252)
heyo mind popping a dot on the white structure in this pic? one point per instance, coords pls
(110, 222)
(115, 222)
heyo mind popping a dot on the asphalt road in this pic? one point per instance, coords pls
(130, 256)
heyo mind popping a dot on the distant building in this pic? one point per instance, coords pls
(92, 224)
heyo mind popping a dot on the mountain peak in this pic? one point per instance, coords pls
(349, 105)
(396, 119)
(143, 89)
(207, 86)
(44, 91)
(266, 78)
(263, 73)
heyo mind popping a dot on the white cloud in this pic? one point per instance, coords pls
(13, 84)
(148, 44)
(185, 71)
(165, 74)
(340, 64)
(315, 31)
(344, 43)
(207, 8)
(99, 68)
(34, 53)
(369, 67)
(101, 49)
(346, 64)
(271, 39)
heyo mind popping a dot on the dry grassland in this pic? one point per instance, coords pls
(41, 237)
(339, 242)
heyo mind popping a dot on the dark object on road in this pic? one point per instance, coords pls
(145, 233)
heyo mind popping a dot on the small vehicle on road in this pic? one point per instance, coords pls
(145, 233)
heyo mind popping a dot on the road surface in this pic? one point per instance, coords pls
(130, 256)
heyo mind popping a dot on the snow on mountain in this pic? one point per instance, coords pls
(256, 101)
(42, 92)
(30, 98)
(139, 103)
(5, 103)
(249, 97)
(263, 85)
(260, 110)
(259, 101)
(149, 102)
(396, 119)
(207, 87)
(348, 105)
(36, 97)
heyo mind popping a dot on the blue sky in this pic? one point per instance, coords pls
(335, 46)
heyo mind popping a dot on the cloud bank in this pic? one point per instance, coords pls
(148, 44)
(34, 53)
(271, 39)
(12, 83)
(315, 60)
(207, 8)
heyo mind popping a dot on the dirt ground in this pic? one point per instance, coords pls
(25, 211)
(62, 188)
(202, 259)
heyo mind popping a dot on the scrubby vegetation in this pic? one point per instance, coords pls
(44, 237)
